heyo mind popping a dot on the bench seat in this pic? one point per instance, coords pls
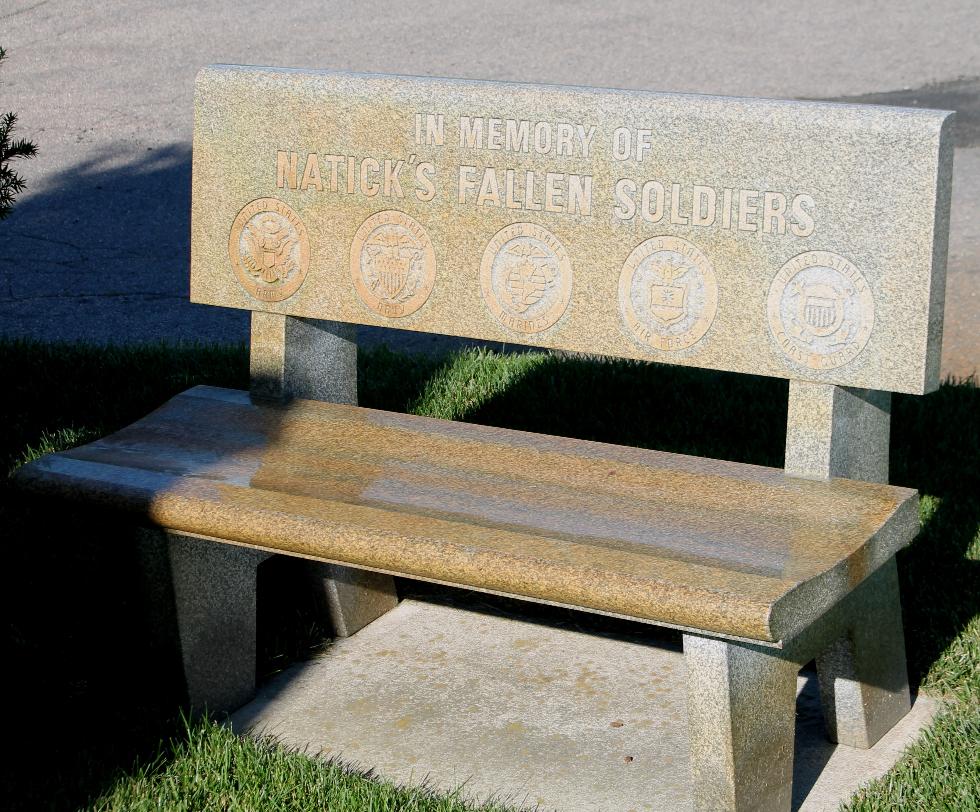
(731, 549)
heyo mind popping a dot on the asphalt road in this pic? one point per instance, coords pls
(98, 246)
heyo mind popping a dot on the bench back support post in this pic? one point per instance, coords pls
(292, 357)
(836, 431)
(314, 359)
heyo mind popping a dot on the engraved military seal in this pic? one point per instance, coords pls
(668, 293)
(392, 264)
(269, 249)
(821, 310)
(526, 277)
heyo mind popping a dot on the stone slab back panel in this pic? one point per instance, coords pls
(793, 239)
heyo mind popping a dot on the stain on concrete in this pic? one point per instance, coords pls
(404, 723)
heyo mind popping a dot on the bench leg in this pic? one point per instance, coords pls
(351, 598)
(212, 601)
(863, 679)
(742, 714)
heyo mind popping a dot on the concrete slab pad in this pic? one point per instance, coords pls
(524, 711)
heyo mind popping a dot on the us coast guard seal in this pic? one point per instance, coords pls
(269, 249)
(392, 264)
(526, 277)
(821, 310)
(668, 293)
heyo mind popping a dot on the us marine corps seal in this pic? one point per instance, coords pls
(821, 310)
(526, 277)
(392, 264)
(269, 249)
(668, 293)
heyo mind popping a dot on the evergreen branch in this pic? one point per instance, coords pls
(11, 184)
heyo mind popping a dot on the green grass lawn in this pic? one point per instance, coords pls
(92, 710)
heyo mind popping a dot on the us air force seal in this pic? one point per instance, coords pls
(821, 310)
(392, 264)
(269, 249)
(668, 293)
(526, 277)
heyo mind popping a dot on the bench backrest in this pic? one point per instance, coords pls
(795, 239)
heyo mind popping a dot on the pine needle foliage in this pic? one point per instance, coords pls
(11, 183)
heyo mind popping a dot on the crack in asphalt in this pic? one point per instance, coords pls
(100, 295)
(67, 264)
(81, 249)
(23, 10)
(86, 253)
(110, 256)
(62, 243)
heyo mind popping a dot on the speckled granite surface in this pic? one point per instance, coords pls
(723, 547)
(797, 239)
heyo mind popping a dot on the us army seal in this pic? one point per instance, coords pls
(392, 264)
(821, 310)
(269, 249)
(526, 277)
(668, 293)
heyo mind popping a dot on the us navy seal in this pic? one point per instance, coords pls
(392, 264)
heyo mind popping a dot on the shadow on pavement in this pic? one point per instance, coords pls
(102, 254)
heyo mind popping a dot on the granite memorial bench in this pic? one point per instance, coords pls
(800, 240)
